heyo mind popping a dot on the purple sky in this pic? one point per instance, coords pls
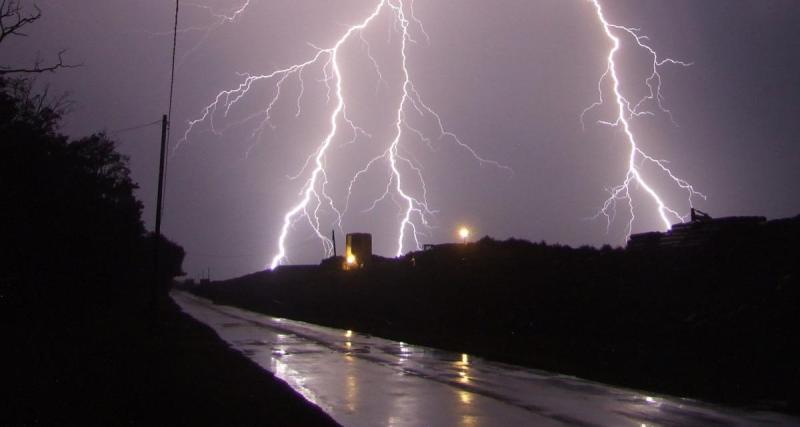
(509, 77)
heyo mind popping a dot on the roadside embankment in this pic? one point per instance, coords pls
(114, 366)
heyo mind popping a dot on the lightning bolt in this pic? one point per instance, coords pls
(400, 187)
(412, 208)
(627, 111)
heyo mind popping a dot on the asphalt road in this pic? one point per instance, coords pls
(367, 381)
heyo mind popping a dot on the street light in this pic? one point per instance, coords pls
(464, 233)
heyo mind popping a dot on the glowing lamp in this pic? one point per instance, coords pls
(351, 259)
(463, 232)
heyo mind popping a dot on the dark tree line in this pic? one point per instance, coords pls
(70, 221)
(69, 212)
(76, 268)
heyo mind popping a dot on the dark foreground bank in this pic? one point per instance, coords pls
(717, 321)
(109, 367)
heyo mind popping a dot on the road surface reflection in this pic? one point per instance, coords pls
(367, 381)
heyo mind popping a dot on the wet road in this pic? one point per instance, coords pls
(367, 381)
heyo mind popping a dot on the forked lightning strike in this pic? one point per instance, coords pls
(626, 111)
(415, 211)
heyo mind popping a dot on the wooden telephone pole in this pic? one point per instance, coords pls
(159, 205)
(162, 157)
(165, 122)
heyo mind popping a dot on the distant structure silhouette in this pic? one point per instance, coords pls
(698, 215)
(701, 230)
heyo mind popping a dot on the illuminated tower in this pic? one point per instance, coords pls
(358, 250)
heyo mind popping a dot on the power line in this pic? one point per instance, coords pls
(174, 50)
(136, 127)
(171, 91)
(224, 256)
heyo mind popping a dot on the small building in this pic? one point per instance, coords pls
(358, 250)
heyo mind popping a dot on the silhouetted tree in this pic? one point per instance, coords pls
(71, 222)
(13, 20)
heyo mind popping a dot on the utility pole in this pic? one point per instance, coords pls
(159, 204)
(162, 156)
(333, 237)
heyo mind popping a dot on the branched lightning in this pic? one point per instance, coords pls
(415, 210)
(405, 184)
(627, 111)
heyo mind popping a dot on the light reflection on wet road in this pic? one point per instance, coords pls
(367, 381)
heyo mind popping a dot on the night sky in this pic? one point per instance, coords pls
(510, 78)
